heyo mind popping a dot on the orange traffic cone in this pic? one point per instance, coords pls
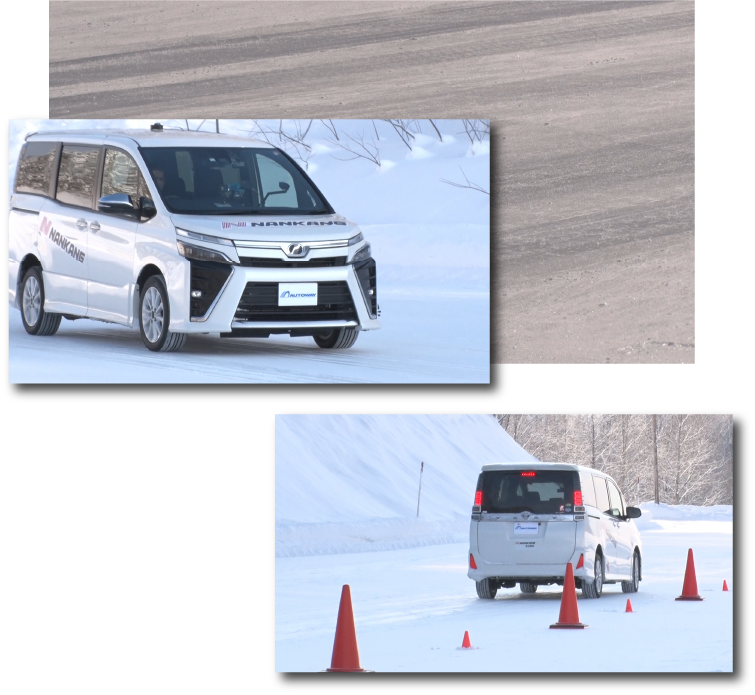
(629, 607)
(726, 588)
(569, 616)
(689, 590)
(465, 643)
(345, 650)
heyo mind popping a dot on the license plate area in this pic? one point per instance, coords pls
(297, 294)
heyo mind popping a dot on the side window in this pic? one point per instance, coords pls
(77, 175)
(121, 175)
(278, 189)
(588, 491)
(34, 168)
(601, 494)
(617, 506)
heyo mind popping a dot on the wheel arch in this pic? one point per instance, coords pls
(28, 261)
(148, 271)
(639, 562)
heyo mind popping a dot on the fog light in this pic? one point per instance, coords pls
(196, 293)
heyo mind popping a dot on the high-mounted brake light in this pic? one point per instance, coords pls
(577, 498)
(478, 498)
(528, 474)
(581, 562)
(472, 563)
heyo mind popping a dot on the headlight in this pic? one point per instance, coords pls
(356, 239)
(196, 253)
(363, 253)
(203, 237)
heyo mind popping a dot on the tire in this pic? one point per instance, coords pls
(487, 588)
(633, 585)
(154, 318)
(36, 320)
(527, 587)
(338, 338)
(594, 589)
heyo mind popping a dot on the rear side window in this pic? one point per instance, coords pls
(35, 168)
(588, 491)
(535, 491)
(601, 494)
(77, 175)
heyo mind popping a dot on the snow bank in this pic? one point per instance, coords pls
(654, 515)
(350, 483)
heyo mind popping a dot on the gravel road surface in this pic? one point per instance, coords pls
(592, 109)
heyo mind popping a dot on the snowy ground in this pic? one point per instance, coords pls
(431, 242)
(412, 607)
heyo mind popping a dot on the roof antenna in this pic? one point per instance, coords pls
(156, 127)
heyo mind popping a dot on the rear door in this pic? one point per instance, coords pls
(610, 530)
(527, 517)
(64, 224)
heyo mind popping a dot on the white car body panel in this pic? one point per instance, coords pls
(103, 285)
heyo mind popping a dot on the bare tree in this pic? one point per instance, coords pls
(357, 146)
(468, 184)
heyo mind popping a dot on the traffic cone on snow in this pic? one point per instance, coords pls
(726, 588)
(345, 650)
(629, 607)
(465, 643)
(689, 590)
(569, 616)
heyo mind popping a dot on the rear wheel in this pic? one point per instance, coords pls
(527, 587)
(339, 338)
(36, 320)
(594, 588)
(487, 588)
(633, 585)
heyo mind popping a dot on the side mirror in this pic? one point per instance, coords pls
(118, 203)
(147, 207)
(634, 512)
(283, 186)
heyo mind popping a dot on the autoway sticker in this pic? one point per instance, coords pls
(57, 238)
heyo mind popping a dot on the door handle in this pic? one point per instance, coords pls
(81, 223)
(94, 226)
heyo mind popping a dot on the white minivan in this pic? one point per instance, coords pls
(183, 232)
(529, 520)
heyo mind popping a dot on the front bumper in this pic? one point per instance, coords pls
(224, 315)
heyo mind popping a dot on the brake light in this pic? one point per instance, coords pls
(528, 474)
(472, 563)
(577, 498)
(581, 562)
(478, 498)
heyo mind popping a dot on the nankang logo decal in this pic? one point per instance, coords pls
(295, 295)
(292, 223)
(57, 238)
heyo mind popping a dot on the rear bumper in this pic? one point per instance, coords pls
(521, 572)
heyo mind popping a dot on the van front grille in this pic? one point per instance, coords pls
(259, 302)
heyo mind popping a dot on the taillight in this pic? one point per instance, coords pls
(478, 498)
(577, 498)
(472, 563)
(581, 562)
(528, 474)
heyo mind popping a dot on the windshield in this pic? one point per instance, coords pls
(231, 181)
(538, 492)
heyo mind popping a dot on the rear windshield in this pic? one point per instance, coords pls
(539, 491)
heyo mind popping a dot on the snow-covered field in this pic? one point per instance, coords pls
(431, 241)
(345, 506)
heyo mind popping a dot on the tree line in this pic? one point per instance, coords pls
(672, 459)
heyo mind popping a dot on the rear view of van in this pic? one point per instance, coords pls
(530, 520)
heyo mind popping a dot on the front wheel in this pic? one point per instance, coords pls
(633, 585)
(154, 318)
(339, 338)
(36, 320)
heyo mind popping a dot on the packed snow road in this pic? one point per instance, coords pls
(417, 344)
(412, 607)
